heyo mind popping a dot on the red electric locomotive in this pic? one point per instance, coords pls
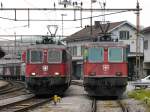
(105, 68)
(48, 69)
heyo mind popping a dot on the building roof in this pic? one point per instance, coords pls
(146, 30)
(85, 33)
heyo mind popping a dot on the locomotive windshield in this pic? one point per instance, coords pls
(54, 56)
(115, 54)
(96, 54)
(36, 56)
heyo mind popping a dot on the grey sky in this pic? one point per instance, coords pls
(9, 27)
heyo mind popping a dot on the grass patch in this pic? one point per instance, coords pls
(142, 95)
(139, 94)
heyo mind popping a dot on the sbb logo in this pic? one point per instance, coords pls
(106, 67)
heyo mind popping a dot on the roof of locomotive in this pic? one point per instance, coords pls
(45, 46)
(106, 44)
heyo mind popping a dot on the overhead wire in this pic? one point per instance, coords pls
(73, 19)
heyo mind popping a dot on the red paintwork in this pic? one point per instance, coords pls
(61, 68)
(105, 69)
(98, 69)
(23, 56)
(52, 68)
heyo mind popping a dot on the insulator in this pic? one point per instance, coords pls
(76, 3)
(81, 3)
(65, 5)
(54, 5)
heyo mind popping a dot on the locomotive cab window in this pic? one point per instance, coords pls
(54, 56)
(36, 56)
(115, 54)
(95, 54)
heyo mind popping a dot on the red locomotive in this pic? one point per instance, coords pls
(48, 69)
(105, 68)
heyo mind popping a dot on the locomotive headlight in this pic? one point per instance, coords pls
(57, 73)
(33, 74)
(92, 73)
(118, 73)
(45, 68)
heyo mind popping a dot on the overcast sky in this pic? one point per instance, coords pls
(9, 26)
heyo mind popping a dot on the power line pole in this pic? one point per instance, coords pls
(138, 64)
(15, 43)
(91, 18)
(63, 23)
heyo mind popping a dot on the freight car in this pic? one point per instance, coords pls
(48, 69)
(105, 68)
(10, 69)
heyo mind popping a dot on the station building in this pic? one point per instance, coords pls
(146, 33)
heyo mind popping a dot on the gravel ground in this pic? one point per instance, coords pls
(75, 100)
(134, 105)
(108, 106)
(67, 104)
(75, 91)
(112, 106)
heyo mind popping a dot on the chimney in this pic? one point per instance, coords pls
(97, 24)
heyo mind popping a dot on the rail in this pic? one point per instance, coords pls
(94, 105)
(23, 105)
(12, 87)
(77, 82)
(123, 106)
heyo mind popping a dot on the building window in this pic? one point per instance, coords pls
(145, 44)
(128, 48)
(73, 51)
(82, 50)
(124, 35)
(78, 50)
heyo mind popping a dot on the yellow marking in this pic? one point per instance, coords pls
(56, 99)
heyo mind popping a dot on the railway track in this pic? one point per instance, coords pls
(123, 106)
(94, 107)
(13, 89)
(12, 86)
(77, 82)
(112, 104)
(108, 106)
(23, 105)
